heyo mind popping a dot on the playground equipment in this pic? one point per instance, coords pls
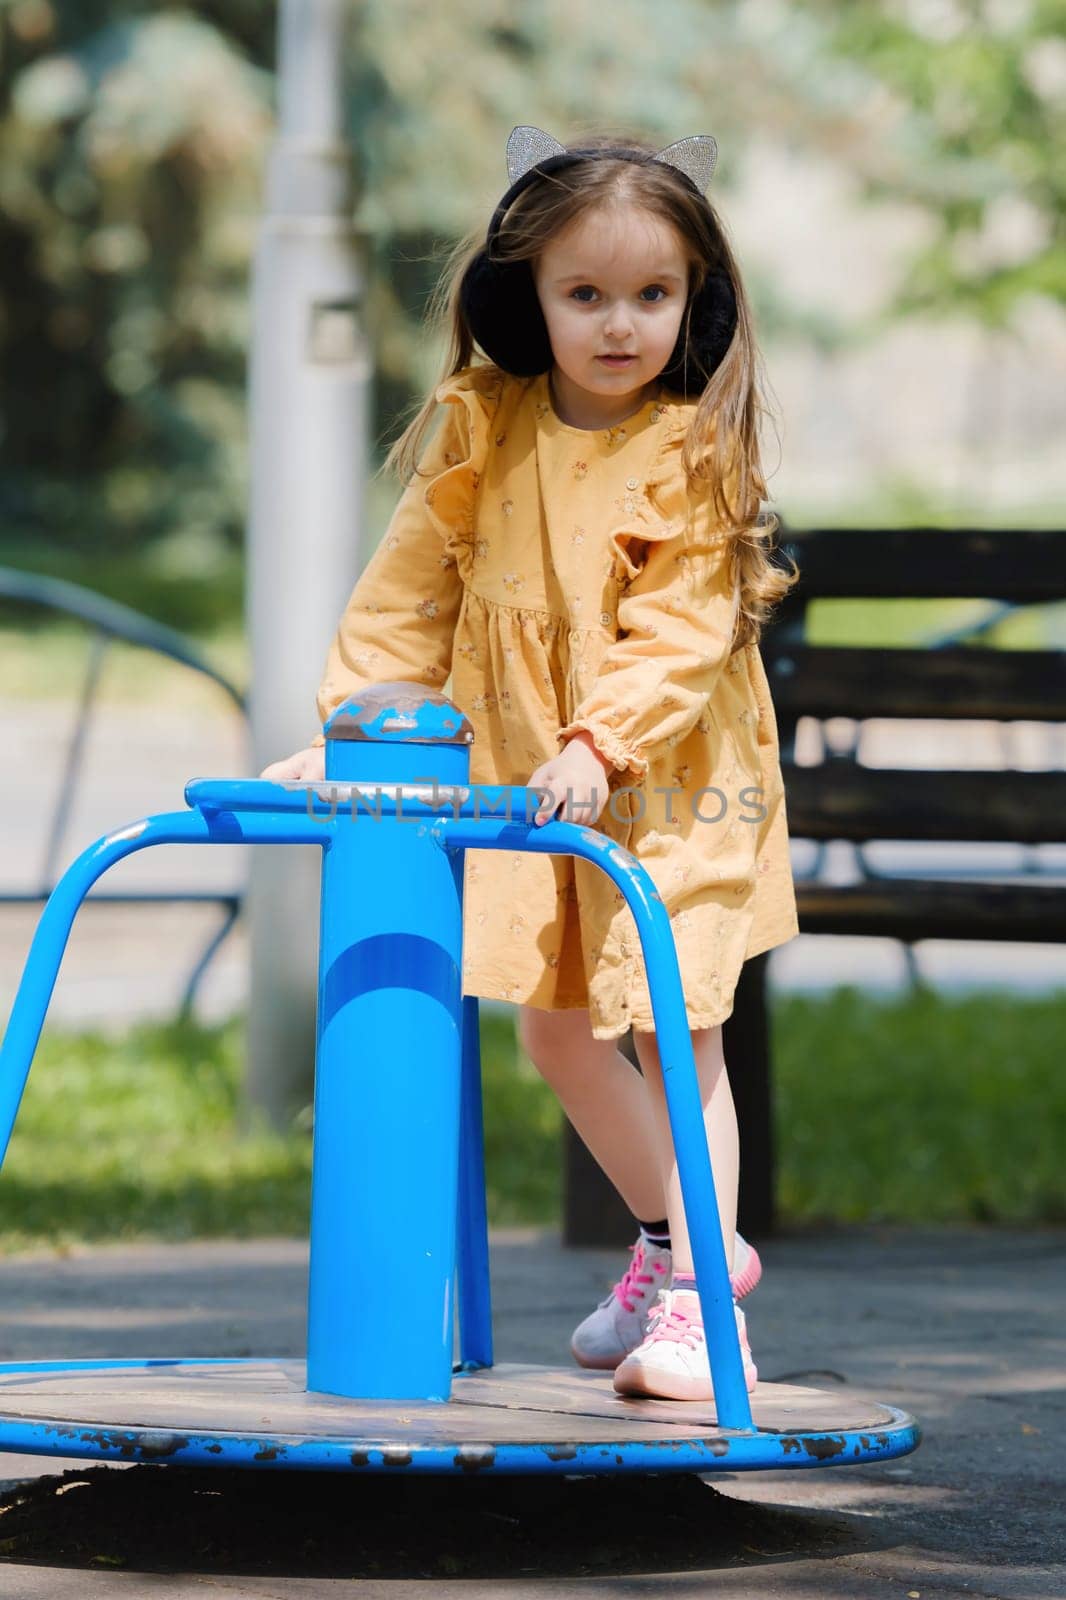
(398, 1114)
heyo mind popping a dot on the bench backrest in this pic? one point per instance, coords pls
(942, 678)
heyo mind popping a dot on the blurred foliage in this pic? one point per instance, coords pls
(132, 140)
(964, 116)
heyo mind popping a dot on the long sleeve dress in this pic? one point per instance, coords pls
(567, 578)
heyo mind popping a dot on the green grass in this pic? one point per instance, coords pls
(922, 1109)
(137, 1136)
(918, 1109)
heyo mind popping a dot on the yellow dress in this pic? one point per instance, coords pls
(567, 579)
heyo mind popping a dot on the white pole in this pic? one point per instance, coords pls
(309, 382)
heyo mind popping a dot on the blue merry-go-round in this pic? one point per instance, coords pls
(397, 1117)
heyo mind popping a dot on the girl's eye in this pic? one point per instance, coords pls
(587, 286)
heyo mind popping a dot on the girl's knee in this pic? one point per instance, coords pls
(552, 1038)
(546, 1032)
(706, 1047)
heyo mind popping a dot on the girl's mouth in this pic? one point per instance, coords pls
(616, 361)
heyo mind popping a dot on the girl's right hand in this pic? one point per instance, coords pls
(306, 766)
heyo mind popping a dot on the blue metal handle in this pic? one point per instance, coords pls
(251, 811)
(53, 930)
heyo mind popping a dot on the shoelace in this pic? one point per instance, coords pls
(627, 1285)
(667, 1322)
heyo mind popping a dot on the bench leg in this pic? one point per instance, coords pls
(746, 1045)
(594, 1213)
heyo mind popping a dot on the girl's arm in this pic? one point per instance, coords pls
(401, 616)
(676, 621)
(400, 619)
(399, 623)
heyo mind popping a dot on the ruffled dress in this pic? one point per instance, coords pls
(563, 578)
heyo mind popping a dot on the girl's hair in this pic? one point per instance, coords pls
(721, 446)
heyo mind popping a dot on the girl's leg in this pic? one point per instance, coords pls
(604, 1097)
(720, 1121)
(671, 1363)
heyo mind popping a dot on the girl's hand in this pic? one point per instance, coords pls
(306, 766)
(580, 769)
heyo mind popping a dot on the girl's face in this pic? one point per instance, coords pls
(614, 283)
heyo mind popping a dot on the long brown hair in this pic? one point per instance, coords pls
(722, 445)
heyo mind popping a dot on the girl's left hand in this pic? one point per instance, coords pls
(580, 769)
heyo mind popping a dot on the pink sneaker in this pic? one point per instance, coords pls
(671, 1363)
(620, 1322)
(747, 1268)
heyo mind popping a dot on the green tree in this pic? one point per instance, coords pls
(967, 99)
(130, 149)
(132, 138)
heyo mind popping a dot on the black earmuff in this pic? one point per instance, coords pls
(499, 301)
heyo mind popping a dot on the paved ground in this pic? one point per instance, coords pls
(965, 1329)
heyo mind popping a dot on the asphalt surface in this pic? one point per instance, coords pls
(964, 1329)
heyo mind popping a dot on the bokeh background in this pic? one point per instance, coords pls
(892, 173)
(892, 176)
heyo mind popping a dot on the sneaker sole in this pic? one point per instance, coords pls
(597, 1364)
(671, 1386)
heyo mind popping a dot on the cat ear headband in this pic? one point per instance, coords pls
(499, 299)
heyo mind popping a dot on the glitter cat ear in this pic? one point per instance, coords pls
(526, 146)
(694, 156)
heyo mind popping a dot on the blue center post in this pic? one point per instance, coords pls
(389, 1054)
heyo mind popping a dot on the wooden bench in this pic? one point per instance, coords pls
(955, 675)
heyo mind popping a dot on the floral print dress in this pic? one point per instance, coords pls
(565, 578)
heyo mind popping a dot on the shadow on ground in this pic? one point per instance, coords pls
(173, 1519)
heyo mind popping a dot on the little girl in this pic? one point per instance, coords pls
(581, 547)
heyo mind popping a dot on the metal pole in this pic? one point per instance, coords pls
(388, 1075)
(309, 385)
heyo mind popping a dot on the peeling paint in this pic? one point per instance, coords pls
(415, 714)
(714, 1450)
(146, 1444)
(824, 1448)
(134, 831)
